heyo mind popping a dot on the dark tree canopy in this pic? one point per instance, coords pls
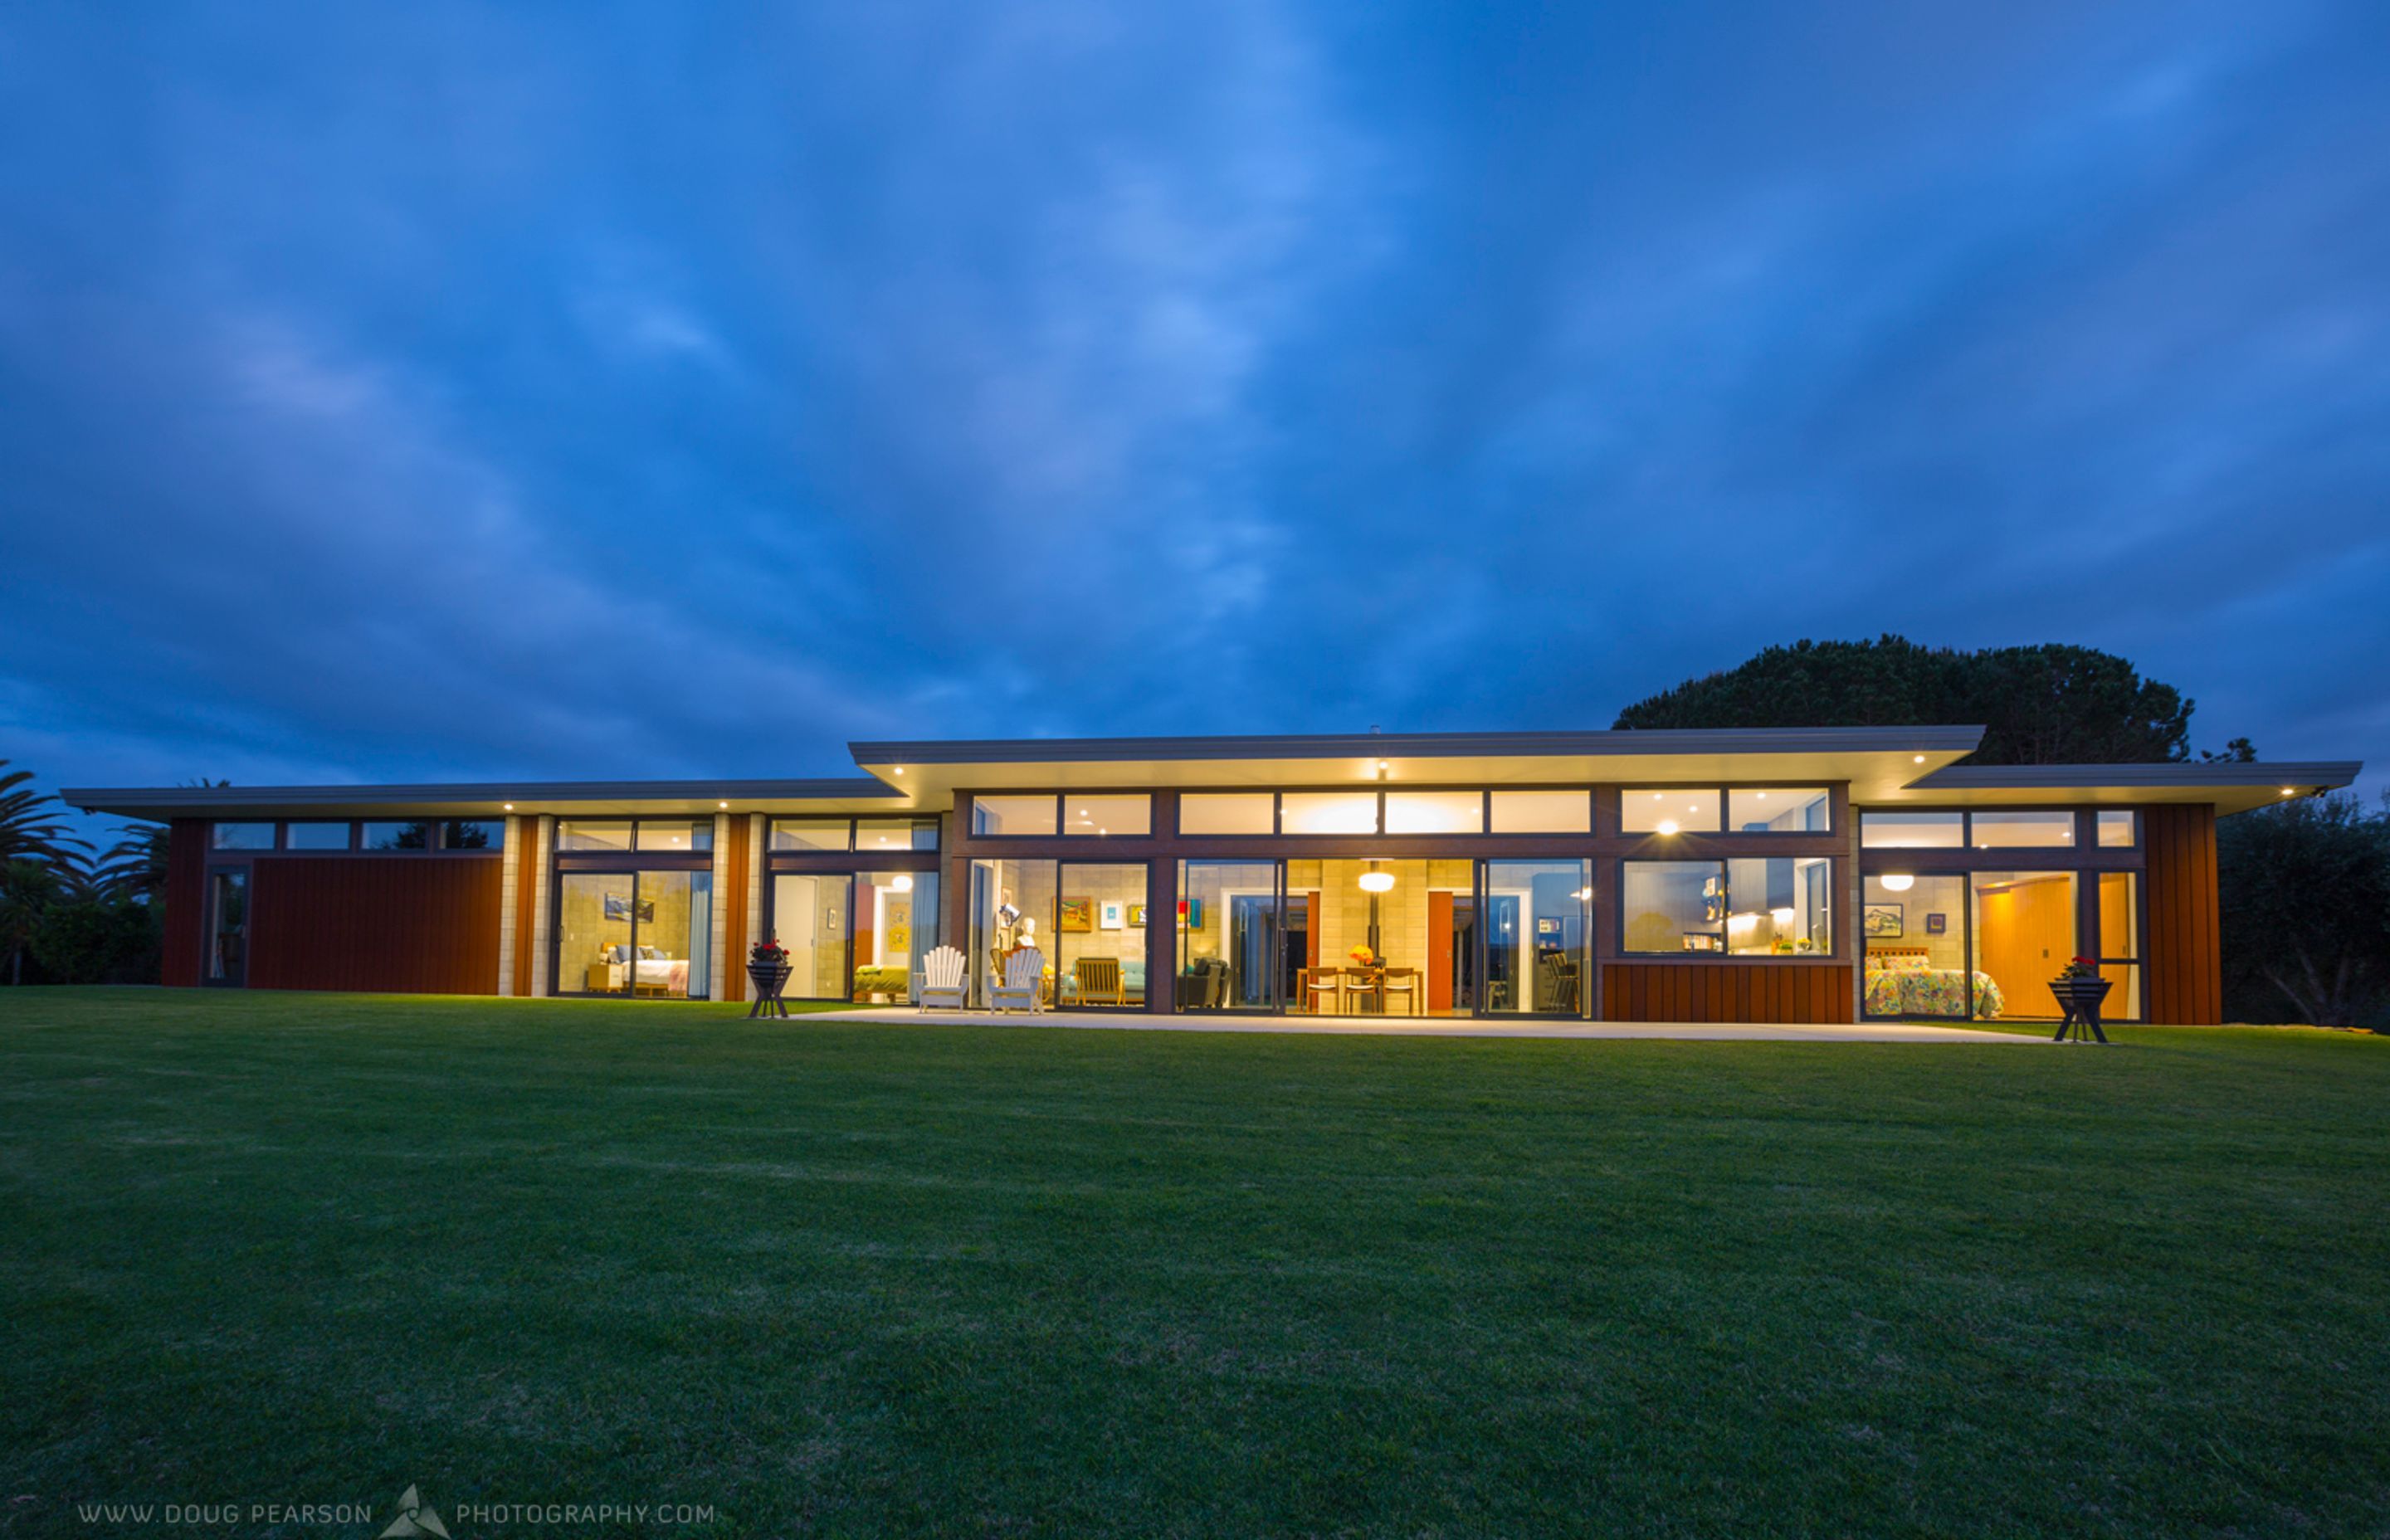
(2306, 894)
(2052, 704)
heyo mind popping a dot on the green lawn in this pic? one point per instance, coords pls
(871, 1279)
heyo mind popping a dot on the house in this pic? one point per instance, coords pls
(1797, 875)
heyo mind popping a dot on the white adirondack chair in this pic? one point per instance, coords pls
(942, 979)
(1023, 986)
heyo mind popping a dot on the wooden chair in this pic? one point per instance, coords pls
(1023, 986)
(1315, 982)
(1404, 981)
(1366, 984)
(942, 979)
(1097, 982)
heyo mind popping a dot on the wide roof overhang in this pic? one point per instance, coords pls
(1883, 765)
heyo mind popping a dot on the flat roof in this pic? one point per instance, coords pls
(1883, 766)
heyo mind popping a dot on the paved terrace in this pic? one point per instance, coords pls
(1430, 1026)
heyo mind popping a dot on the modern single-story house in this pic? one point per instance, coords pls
(1800, 875)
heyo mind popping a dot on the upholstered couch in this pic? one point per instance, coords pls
(896, 983)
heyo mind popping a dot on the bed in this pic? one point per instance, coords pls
(618, 972)
(1901, 980)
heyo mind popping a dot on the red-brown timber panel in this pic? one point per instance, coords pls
(529, 864)
(185, 899)
(425, 925)
(2183, 959)
(733, 925)
(1726, 991)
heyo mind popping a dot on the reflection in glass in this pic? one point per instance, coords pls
(473, 834)
(228, 926)
(1228, 924)
(243, 837)
(396, 836)
(316, 836)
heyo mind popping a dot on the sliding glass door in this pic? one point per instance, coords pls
(644, 934)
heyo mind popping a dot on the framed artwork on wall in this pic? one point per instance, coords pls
(1884, 922)
(1111, 915)
(1078, 914)
(1136, 916)
(1938, 925)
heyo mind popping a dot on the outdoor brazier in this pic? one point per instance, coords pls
(769, 971)
(2079, 989)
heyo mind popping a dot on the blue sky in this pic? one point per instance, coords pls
(447, 391)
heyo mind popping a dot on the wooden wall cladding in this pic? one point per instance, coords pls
(403, 924)
(1812, 993)
(185, 899)
(738, 877)
(2183, 953)
(529, 864)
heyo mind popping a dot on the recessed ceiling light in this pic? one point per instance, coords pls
(1920, 759)
(510, 807)
(723, 804)
(900, 769)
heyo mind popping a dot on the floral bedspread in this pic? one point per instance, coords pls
(1929, 992)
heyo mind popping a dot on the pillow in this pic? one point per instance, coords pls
(649, 954)
(619, 952)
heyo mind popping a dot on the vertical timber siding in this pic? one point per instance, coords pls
(185, 899)
(414, 925)
(2183, 951)
(530, 862)
(1809, 993)
(737, 878)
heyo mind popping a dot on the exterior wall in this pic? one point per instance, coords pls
(510, 931)
(427, 926)
(185, 899)
(2183, 951)
(1802, 993)
(734, 901)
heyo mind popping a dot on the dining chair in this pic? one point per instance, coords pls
(1367, 983)
(1404, 981)
(1317, 981)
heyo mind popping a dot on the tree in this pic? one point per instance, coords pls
(2051, 704)
(2306, 893)
(29, 822)
(27, 890)
(135, 867)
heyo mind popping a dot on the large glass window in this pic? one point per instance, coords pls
(489, 834)
(2024, 935)
(1327, 813)
(1011, 816)
(395, 836)
(1099, 926)
(315, 836)
(1913, 830)
(593, 834)
(1535, 920)
(1227, 812)
(1435, 813)
(809, 834)
(675, 835)
(1655, 810)
(242, 836)
(646, 933)
(1012, 911)
(1543, 812)
(2022, 831)
(1779, 906)
(813, 917)
(1673, 907)
(1102, 816)
(1779, 810)
(1228, 942)
(890, 834)
(2120, 942)
(1913, 930)
(2120, 828)
(895, 927)
(228, 926)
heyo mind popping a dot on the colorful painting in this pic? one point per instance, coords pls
(1190, 913)
(1884, 921)
(1111, 915)
(1136, 916)
(1938, 925)
(618, 906)
(1078, 914)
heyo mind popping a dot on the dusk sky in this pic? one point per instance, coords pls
(449, 393)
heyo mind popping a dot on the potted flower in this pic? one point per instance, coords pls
(767, 966)
(2079, 989)
(1362, 956)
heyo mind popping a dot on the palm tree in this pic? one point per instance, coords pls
(29, 822)
(135, 867)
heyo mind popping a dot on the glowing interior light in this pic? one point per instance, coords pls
(1782, 916)
(1667, 826)
(1898, 882)
(904, 884)
(1377, 883)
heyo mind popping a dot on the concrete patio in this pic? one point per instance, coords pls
(1418, 1026)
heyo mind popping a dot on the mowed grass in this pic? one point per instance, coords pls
(850, 1280)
